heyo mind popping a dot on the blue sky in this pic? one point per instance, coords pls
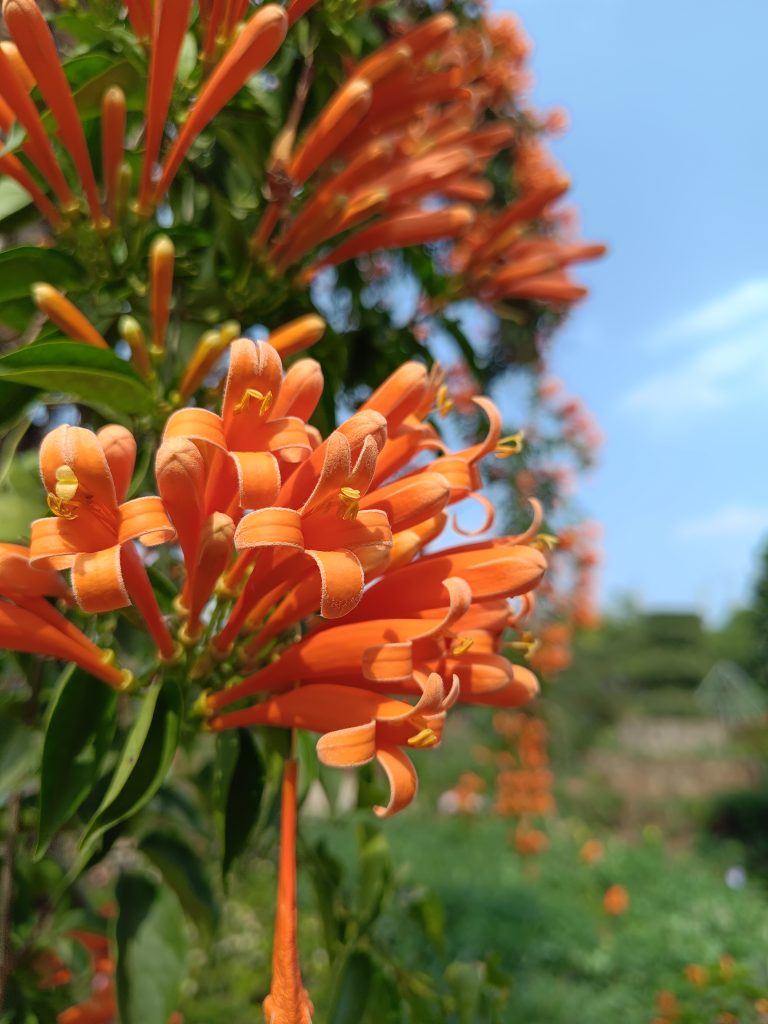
(668, 151)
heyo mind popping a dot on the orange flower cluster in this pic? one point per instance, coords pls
(398, 157)
(231, 53)
(101, 1005)
(308, 599)
(524, 781)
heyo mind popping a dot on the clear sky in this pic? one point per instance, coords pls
(668, 152)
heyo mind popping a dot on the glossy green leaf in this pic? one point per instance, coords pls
(352, 988)
(78, 734)
(185, 873)
(25, 265)
(144, 761)
(19, 753)
(151, 950)
(92, 376)
(238, 780)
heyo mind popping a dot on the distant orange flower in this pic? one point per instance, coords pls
(697, 975)
(592, 852)
(616, 900)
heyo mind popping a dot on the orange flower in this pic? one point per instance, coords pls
(530, 841)
(616, 900)
(93, 529)
(35, 42)
(244, 444)
(250, 51)
(592, 852)
(357, 726)
(697, 975)
(66, 316)
(29, 623)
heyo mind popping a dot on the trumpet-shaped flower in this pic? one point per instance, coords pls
(92, 529)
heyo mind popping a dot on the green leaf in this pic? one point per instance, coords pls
(238, 782)
(12, 197)
(151, 951)
(78, 734)
(185, 873)
(21, 497)
(19, 751)
(352, 989)
(93, 376)
(144, 762)
(25, 265)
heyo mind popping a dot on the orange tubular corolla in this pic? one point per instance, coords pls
(161, 259)
(340, 117)
(287, 1002)
(357, 726)
(113, 115)
(256, 44)
(66, 316)
(171, 18)
(35, 42)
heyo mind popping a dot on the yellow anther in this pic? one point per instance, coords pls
(61, 508)
(425, 738)
(265, 398)
(66, 483)
(545, 542)
(462, 646)
(443, 400)
(512, 444)
(108, 657)
(350, 502)
(528, 644)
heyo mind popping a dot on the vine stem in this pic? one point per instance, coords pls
(6, 892)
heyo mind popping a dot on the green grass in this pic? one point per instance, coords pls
(541, 921)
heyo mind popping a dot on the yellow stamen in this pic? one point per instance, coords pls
(512, 444)
(265, 399)
(443, 400)
(545, 542)
(62, 500)
(462, 646)
(350, 503)
(528, 644)
(425, 738)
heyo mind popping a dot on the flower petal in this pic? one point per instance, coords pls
(259, 478)
(348, 748)
(97, 581)
(270, 527)
(197, 425)
(403, 781)
(120, 452)
(342, 579)
(144, 519)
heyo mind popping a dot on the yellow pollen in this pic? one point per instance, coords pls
(443, 400)
(265, 398)
(512, 444)
(462, 646)
(350, 503)
(61, 501)
(425, 738)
